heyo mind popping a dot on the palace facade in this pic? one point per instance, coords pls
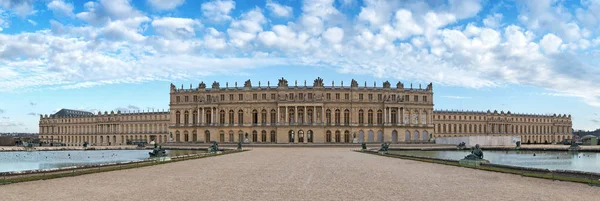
(301, 114)
(286, 113)
(73, 127)
(533, 128)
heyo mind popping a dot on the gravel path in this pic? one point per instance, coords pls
(299, 174)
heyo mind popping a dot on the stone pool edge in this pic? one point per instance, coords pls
(590, 178)
(33, 175)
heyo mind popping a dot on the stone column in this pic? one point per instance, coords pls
(203, 115)
(295, 115)
(198, 117)
(305, 114)
(278, 115)
(286, 115)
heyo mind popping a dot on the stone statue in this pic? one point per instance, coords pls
(318, 82)
(214, 148)
(202, 85)
(85, 144)
(476, 153)
(248, 84)
(157, 151)
(353, 83)
(460, 146)
(215, 85)
(386, 84)
(282, 82)
(173, 87)
(384, 147)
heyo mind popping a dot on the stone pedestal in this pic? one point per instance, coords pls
(473, 162)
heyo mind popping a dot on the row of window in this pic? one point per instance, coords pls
(125, 128)
(479, 128)
(305, 96)
(122, 118)
(519, 119)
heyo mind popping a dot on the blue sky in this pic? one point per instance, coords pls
(524, 56)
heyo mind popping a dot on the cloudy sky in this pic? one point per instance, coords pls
(524, 56)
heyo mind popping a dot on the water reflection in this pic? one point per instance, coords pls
(19, 161)
(589, 162)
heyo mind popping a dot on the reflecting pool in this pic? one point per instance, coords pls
(583, 161)
(21, 160)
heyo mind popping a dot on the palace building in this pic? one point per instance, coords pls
(73, 127)
(286, 113)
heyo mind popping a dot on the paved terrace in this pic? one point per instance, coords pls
(299, 174)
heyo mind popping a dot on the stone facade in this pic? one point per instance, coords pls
(301, 114)
(286, 113)
(74, 127)
(533, 128)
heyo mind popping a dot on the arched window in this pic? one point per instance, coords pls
(194, 136)
(347, 136)
(207, 136)
(273, 137)
(263, 119)
(291, 116)
(300, 116)
(328, 136)
(338, 137)
(208, 118)
(361, 117)
(222, 117)
(328, 116)
(310, 116)
(231, 136)
(177, 119)
(254, 117)
(379, 117)
(346, 117)
(186, 118)
(195, 117)
(337, 117)
(394, 117)
(254, 136)
(300, 136)
(231, 117)
(309, 136)
(273, 117)
(370, 117)
(240, 117)
(263, 134)
(291, 136)
(221, 136)
(177, 138)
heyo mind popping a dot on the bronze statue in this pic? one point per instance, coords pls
(476, 153)
(364, 146)
(157, 151)
(384, 147)
(239, 147)
(214, 148)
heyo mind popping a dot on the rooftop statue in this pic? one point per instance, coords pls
(353, 83)
(173, 87)
(318, 82)
(248, 84)
(215, 85)
(400, 85)
(386, 84)
(282, 82)
(476, 153)
(202, 85)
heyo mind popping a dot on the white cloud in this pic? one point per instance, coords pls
(165, 4)
(21, 7)
(125, 29)
(550, 43)
(334, 35)
(278, 9)
(218, 10)
(108, 10)
(32, 22)
(244, 30)
(172, 27)
(493, 21)
(60, 7)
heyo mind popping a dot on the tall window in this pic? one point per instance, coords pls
(254, 117)
(222, 117)
(241, 97)
(254, 96)
(186, 118)
(424, 98)
(360, 96)
(273, 117)
(394, 117)
(416, 98)
(240, 117)
(370, 117)
(337, 116)
(208, 118)
(195, 117)
(187, 99)
(328, 116)
(346, 117)
(177, 118)
(231, 116)
(328, 95)
(178, 99)
(310, 116)
(406, 98)
(263, 117)
(361, 117)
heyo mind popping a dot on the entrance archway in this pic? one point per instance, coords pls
(300, 136)
(291, 136)
(407, 136)
(395, 136)
(309, 136)
(380, 136)
(371, 137)
(425, 136)
(416, 136)
(361, 136)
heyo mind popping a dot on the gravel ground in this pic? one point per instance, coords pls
(299, 174)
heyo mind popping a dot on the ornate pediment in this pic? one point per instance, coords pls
(318, 82)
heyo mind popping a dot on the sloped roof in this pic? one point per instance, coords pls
(72, 113)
